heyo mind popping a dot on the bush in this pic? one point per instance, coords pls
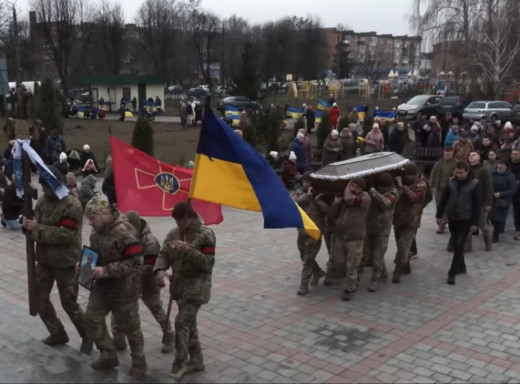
(323, 129)
(48, 107)
(142, 138)
(343, 122)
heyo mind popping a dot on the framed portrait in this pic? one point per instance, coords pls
(88, 262)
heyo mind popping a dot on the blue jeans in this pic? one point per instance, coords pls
(11, 224)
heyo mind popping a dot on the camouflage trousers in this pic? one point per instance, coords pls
(68, 290)
(152, 299)
(374, 251)
(186, 335)
(404, 238)
(485, 227)
(349, 253)
(335, 268)
(308, 248)
(127, 317)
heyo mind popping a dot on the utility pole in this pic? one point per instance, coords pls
(16, 57)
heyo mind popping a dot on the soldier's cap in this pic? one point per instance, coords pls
(360, 182)
(410, 169)
(98, 206)
(57, 174)
(134, 219)
(385, 179)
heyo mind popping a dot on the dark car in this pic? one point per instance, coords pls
(241, 102)
(453, 104)
(197, 92)
(515, 118)
(418, 105)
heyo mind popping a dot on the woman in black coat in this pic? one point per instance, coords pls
(504, 187)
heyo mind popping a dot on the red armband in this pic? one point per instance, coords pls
(132, 250)
(357, 200)
(208, 250)
(419, 193)
(391, 198)
(69, 222)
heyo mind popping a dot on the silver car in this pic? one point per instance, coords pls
(499, 110)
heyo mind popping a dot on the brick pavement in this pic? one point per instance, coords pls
(256, 329)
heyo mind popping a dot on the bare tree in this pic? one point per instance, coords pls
(109, 35)
(66, 27)
(495, 55)
(158, 25)
(376, 59)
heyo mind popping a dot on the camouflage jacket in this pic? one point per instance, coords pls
(350, 215)
(191, 281)
(151, 248)
(408, 210)
(381, 212)
(120, 254)
(58, 236)
(314, 207)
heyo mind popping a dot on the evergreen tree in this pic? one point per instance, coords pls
(323, 129)
(48, 106)
(247, 80)
(142, 138)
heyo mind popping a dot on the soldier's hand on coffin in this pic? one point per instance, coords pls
(309, 191)
(337, 199)
(399, 181)
(159, 278)
(98, 273)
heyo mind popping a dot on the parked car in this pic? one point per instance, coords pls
(175, 89)
(453, 104)
(417, 105)
(197, 92)
(499, 110)
(236, 101)
(515, 118)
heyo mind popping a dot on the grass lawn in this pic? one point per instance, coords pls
(172, 144)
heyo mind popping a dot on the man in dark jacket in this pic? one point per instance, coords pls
(462, 201)
(12, 207)
(514, 166)
(396, 139)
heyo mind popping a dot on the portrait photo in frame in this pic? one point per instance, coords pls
(88, 262)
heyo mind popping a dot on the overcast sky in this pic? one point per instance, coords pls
(381, 16)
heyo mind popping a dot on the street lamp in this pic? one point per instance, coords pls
(16, 50)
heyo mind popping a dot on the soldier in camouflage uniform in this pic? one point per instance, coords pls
(380, 216)
(115, 289)
(190, 250)
(350, 214)
(56, 229)
(151, 292)
(407, 217)
(316, 209)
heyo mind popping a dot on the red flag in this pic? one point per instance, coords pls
(152, 188)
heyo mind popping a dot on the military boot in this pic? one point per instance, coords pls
(196, 364)
(304, 289)
(58, 339)
(347, 296)
(178, 370)
(316, 276)
(396, 278)
(168, 342)
(406, 269)
(138, 370)
(373, 286)
(328, 280)
(384, 275)
(120, 342)
(104, 364)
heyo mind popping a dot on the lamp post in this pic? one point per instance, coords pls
(16, 52)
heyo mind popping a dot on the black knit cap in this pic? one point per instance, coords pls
(360, 182)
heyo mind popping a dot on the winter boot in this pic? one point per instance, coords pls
(304, 289)
(104, 364)
(196, 364)
(58, 339)
(373, 286)
(396, 278)
(178, 370)
(137, 371)
(168, 342)
(406, 269)
(316, 276)
(487, 242)
(451, 279)
(347, 296)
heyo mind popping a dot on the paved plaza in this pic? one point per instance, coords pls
(256, 329)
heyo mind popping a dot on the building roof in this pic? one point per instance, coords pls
(122, 79)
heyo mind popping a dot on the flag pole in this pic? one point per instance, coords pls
(28, 192)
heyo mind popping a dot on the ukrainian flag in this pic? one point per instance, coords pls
(317, 116)
(361, 112)
(294, 112)
(234, 112)
(322, 105)
(229, 171)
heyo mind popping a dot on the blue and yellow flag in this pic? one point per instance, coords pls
(322, 105)
(317, 116)
(234, 112)
(361, 112)
(294, 112)
(229, 171)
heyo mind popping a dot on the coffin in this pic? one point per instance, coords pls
(333, 178)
